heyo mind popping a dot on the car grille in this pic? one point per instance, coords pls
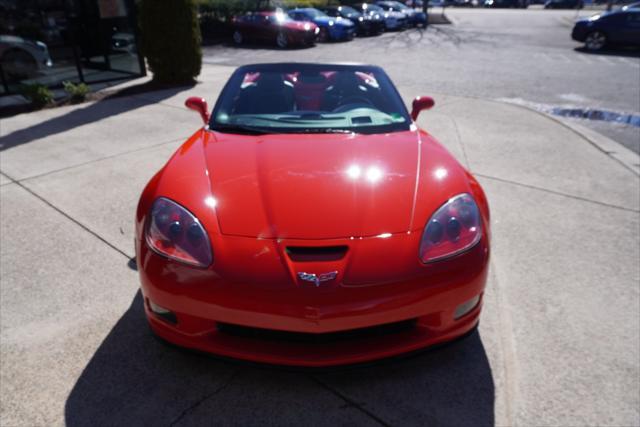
(316, 253)
(323, 338)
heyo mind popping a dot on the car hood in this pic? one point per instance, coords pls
(326, 20)
(298, 25)
(313, 186)
(396, 15)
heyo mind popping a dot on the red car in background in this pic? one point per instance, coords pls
(274, 27)
(311, 222)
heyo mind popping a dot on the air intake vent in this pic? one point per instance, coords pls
(316, 253)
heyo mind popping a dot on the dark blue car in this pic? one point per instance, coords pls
(416, 18)
(331, 28)
(365, 24)
(621, 27)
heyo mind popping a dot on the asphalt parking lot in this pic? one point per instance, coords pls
(559, 340)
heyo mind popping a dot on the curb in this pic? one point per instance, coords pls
(621, 154)
(611, 148)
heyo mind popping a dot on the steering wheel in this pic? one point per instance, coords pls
(351, 102)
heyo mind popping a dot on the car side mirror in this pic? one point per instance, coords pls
(200, 105)
(421, 103)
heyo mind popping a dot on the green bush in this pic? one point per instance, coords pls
(38, 94)
(170, 39)
(77, 92)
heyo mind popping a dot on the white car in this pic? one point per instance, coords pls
(21, 58)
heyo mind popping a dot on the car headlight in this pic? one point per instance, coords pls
(317, 30)
(307, 27)
(331, 23)
(454, 228)
(176, 233)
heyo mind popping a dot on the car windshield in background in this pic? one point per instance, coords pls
(371, 8)
(305, 98)
(314, 13)
(346, 10)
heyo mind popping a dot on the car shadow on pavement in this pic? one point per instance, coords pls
(135, 379)
(116, 103)
(621, 51)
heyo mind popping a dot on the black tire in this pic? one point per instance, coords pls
(323, 35)
(282, 40)
(18, 64)
(238, 37)
(595, 41)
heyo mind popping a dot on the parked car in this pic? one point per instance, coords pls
(325, 233)
(123, 42)
(631, 6)
(331, 28)
(621, 27)
(392, 20)
(21, 58)
(506, 3)
(564, 4)
(274, 27)
(415, 17)
(366, 24)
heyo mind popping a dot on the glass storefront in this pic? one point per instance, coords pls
(53, 41)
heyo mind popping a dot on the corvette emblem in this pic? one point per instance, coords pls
(317, 278)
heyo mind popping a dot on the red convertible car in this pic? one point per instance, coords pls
(274, 27)
(310, 222)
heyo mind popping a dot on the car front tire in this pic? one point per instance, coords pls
(282, 40)
(237, 37)
(595, 41)
(18, 64)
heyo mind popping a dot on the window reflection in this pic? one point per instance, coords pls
(51, 41)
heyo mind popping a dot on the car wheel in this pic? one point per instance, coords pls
(323, 36)
(595, 40)
(237, 37)
(282, 41)
(18, 64)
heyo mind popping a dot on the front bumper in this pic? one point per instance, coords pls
(205, 304)
(338, 33)
(579, 33)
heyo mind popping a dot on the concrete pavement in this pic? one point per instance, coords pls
(559, 338)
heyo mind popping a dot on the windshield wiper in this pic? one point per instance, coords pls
(241, 129)
(326, 130)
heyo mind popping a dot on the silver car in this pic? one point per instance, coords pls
(21, 58)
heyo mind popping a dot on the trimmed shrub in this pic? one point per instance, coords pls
(77, 92)
(39, 95)
(170, 39)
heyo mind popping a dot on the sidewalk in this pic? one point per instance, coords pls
(558, 343)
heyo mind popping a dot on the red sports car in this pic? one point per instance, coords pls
(274, 27)
(311, 222)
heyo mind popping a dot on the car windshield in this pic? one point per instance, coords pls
(314, 13)
(346, 10)
(278, 17)
(373, 8)
(306, 98)
(398, 6)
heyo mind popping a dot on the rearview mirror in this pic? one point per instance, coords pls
(199, 105)
(419, 104)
